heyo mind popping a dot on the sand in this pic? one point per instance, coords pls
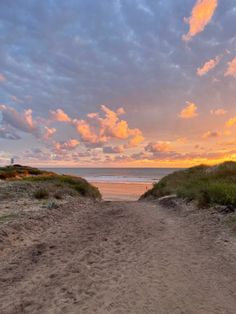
(117, 257)
(122, 191)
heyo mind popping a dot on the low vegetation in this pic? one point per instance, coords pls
(206, 184)
(18, 171)
(44, 183)
(41, 193)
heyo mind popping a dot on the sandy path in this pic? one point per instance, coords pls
(118, 258)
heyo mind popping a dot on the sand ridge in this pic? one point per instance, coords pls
(116, 257)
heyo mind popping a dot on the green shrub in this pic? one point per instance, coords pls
(41, 194)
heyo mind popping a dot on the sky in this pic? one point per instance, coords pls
(117, 83)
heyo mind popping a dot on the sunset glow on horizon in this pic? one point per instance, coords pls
(118, 83)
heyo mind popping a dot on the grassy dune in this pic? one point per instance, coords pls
(48, 182)
(206, 184)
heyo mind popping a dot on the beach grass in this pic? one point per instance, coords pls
(206, 184)
(47, 180)
(18, 171)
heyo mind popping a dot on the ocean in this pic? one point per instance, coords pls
(118, 184)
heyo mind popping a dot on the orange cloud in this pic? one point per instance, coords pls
(2, 78)
(208, 66)
(231, 122)
(137, 138)
(211, 134)
(60, 116)
(218, 112)
(189, 112)
(201, 15)
(99, 129)
(231, 70)
(85, 131)
(112, 126)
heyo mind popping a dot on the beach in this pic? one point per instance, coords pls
(66, 250)
(119, 184)
(115, 191)
(116, 257)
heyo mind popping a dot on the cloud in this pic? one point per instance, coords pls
(159, 147)
(137, 138)
(114, 150)
(8, 134)
(70, 144)
(99, 128)
(13, 120)
(189, 112)
(231, 70)
(208, 66)
(60, 116)
(231, 122)
(49, 132)
(2, 78)
(86, 132)
(218, 112)
(20, 121)
(211, 134)
(111, 125)
(201, 15)
(15, 99)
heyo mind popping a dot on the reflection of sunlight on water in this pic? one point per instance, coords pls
(121, 191)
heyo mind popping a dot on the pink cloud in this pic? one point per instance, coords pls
(49, 132)
(70, 144)
(231, 70)
(20, 121)
(159, 147)
(201, 15)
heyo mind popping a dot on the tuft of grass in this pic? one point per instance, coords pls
(9, 217)
(58, 195)
(41, 194)
(206, 184)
